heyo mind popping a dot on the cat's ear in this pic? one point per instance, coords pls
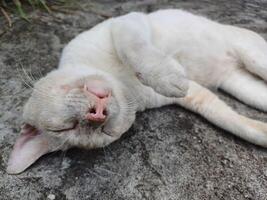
(29, 146)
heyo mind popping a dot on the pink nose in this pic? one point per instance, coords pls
(98, 113)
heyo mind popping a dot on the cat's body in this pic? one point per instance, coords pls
(197, 43)
(137, 61)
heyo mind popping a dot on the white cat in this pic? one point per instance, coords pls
(139, 61)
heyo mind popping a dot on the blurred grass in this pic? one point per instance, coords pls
(21, 8)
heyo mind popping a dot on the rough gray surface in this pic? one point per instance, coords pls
(169, 153)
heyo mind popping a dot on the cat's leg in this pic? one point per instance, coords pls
(132, 39)
(247, 88)
(207, 104)
(251, 49)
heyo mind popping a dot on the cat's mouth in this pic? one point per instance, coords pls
(103, 130)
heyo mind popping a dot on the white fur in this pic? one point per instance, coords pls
(150, 60)
(174, 42)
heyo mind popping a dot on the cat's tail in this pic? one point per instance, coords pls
(207, 104)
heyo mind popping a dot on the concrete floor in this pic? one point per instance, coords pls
(168, 154)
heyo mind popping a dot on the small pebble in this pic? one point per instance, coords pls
(51, 197)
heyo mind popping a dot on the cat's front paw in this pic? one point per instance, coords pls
(168, 79)
(172, 86)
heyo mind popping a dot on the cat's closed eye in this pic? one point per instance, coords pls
(72, 126)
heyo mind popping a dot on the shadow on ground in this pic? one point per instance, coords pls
(168, 154)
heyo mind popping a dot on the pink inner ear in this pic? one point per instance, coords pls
(29, 146)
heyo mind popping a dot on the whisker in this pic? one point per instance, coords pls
(24, 81)
(32, 76)
(40, 75)
(26, 74)
(63, 142)
(108, 171)
(31, 83)
(98, 175)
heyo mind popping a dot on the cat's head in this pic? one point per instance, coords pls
(69, 108)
